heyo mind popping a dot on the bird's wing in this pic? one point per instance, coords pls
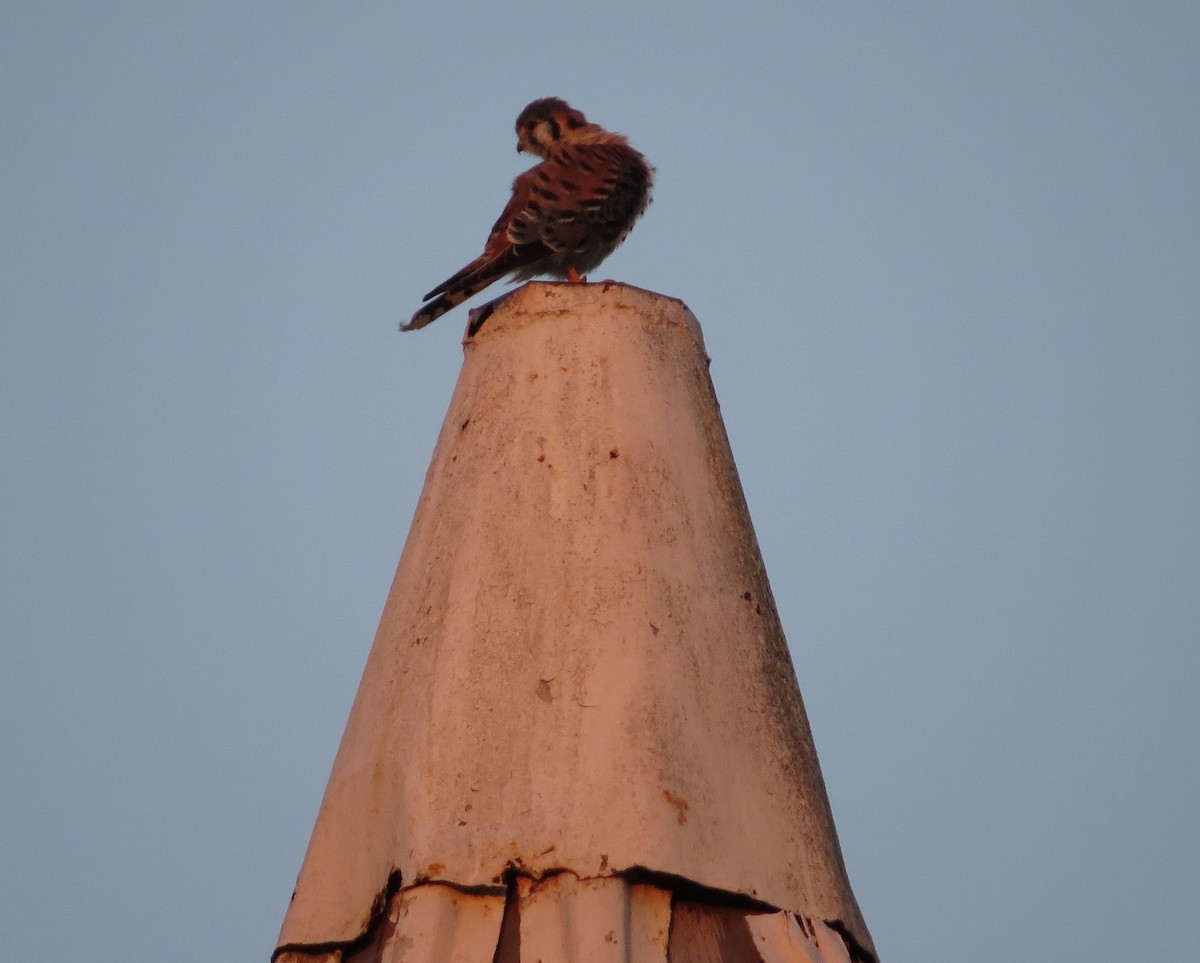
(501, 248)
(581, 196)
(501, 255)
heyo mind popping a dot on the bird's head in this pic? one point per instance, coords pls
(545, 122)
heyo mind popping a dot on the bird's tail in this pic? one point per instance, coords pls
(484, 270)
(452, 292)
(435, 309)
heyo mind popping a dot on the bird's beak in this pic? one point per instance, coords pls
(520, 149)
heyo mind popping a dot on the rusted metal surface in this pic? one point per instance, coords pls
(602, 920)
(563, 919)
(435, 924)
(710, 934)
(786, 938)
(308, 956)
(580, 666)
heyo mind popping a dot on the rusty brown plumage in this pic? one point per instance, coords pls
(566, 214)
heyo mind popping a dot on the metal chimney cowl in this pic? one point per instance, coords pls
(579, 734)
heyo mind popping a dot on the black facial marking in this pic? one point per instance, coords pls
(555, 128)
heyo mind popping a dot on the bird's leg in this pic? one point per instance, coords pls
(573, 276)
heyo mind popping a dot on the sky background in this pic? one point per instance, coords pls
(947, 260)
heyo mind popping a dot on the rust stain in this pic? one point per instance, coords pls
(680, 804)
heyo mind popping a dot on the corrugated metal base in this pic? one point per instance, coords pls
(563, 919)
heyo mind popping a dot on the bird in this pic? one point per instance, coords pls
(566, 214)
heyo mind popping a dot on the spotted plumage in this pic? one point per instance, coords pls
(566, 214)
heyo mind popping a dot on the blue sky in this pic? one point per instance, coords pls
(947, 261)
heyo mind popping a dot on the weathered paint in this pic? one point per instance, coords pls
(600, 920)
(564, 919)
(580, 665)
(436, 924)
(784, 938)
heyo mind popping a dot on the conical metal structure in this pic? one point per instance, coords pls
(579, 734)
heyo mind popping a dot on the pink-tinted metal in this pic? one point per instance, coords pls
(580, 666)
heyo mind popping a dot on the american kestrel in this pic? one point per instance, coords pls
(566, 214)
